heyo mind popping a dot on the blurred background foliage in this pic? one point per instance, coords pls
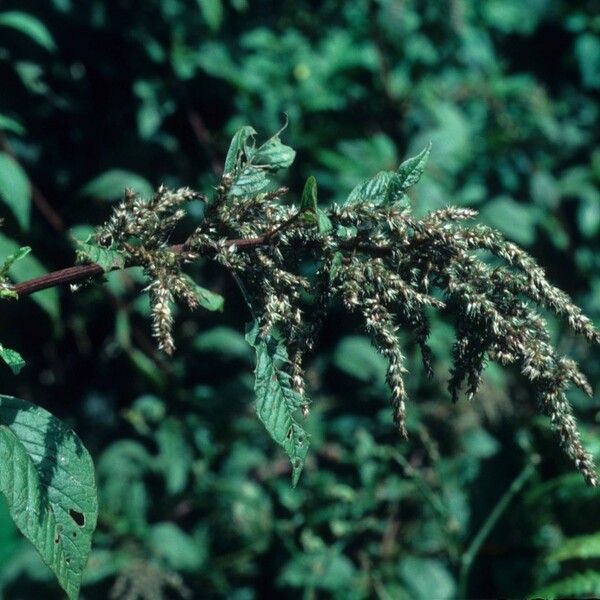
(196, 500)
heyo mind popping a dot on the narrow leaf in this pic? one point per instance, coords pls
(237, 146)
(309, 195)
(8, 124)
(410, 170)
(29, 26)
(47, 477)
(209, 300)
(12, 358)
(276, 400)
(212, 11)
(14, 189)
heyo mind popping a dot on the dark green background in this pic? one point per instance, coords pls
(150, 92)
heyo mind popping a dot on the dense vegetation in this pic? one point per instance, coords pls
(195, 499)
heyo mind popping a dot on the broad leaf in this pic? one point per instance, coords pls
(14, 189)
(273, 155)
(47, 478)
(110, 185)
(276, 400)
(29, 26)
(410, 170)
(377, 189)
(108, 259)
(13, 359)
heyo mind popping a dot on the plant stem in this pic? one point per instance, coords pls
(82, 272)
(469, 556)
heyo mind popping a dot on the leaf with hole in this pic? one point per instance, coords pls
(47, 478)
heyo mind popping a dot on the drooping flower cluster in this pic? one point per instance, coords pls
(382, 263)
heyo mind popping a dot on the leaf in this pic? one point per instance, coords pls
(29, 26)
(13, 258)
(209, 300)
(323, 222)
(12, 358)
(273, 155)
(47, 478)
(224, 341)
(276, 401)
(8, 124)
(517, 221)
(26, 268)
(14, 189)
(427, 578)
(237, 146)
(378, 189)
(410, 170)
(309, 195)
(581, 547)
(355, 356)
(105, 257)
(212, 11)
(180, 551)
(111, 185)
(175, 458)
(585, 584)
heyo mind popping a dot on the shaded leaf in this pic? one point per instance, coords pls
(47, 478)
(105, 257)
(237, 147)
(212, 11)
(14, 189)
(12, 358)
(112, 184)
(29, 26)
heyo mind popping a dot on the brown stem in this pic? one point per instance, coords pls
(81, 272)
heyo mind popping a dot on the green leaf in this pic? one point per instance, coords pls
(111, 185)
(323, 222)
(273, 155)
(276, 400)
(176, 548)
(224, 341)
(13, 258)
(175, 457)
(379, 189)
(29, 26)
(107, 258)
(26, 268)
(47, 478)
(14, 189)
(8, 124)
(212, 11)
(355, 356)
(237, 147)
(209, 300)
(427, 578)
(410, 170)
(517, 221)
(309, 195)
(581, 547)
(578, 585)
(12, 358)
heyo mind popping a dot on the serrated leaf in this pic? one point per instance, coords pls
(105, 257)
(29, 26)
(47, 478)
(13, 359)
(309, 195)
(276, 400)
(410, 170)
(15, 191)
(111, 185)
(250, 181)
(374, 189)
(237, 146)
